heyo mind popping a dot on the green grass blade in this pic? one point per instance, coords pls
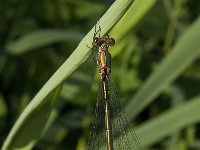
(32, 122)
(170, 122)
(182, 55)
(132, 17)
(40, 105)
(41, 38)
(135, 13)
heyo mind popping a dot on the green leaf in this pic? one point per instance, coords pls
(134, 14)
(130, 19)
(31, 123)
(41, 38)
(181, 56)
(169, 122)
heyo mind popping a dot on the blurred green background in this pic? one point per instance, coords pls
(36, 37)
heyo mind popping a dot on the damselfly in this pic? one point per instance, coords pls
(111, 128)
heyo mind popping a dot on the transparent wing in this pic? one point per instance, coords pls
(124, 135)
(94, 54)
(97, 137)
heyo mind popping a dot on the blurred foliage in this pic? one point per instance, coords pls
(59, 26)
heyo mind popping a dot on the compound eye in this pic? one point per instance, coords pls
(95, 41)
(111, 41)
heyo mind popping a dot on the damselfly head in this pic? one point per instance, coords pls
(97, 42)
